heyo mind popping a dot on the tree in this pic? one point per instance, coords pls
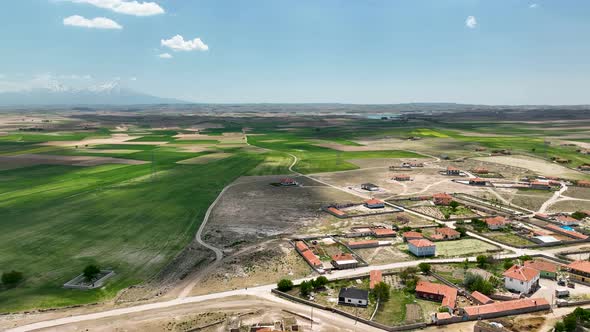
(525, 258)
(475, 282)
(12, 278)
(381, 292)
(508, 263)
(466, 264)
(482, 260)
(579, 215)
(462, 230)
(406, 229)
(320, 282)
(285, 285)
(305, 288)
(424, 267)
(90, 272)
(454, 205)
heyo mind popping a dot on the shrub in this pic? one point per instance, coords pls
(474, 282)
(424, 267)
(305, 288)
(381, 292)
(90, 272)
(285, 285)
(12, 278)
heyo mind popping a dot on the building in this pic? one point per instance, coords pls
(288, 182)
(447, 233)
(505, 308)
(353, 296)
(521, 279)
(481, 298)
(579, 271)
(383, 232)
(344, 261)
(548, 270)
(402, 177)
(544, 239)
(422, 247)
(495, 223)
(374, 204)
(438, 293)
(453, 171)
(369, 187)
(411, 235)
(567, 232)
(480, 170)
(584, 168)
(416, 164)
(567, 220)
(442, 199)
(375, 277)
(363, 244)
(477, 182)
(541, 185)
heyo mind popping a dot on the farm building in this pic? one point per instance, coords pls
(442, 199)
(412, 236)
(375, 277)
(548, 270)
(480, 170)
(584, 168)
(541, 185)
(495, 223)
(422, 247)
(567, 232)
(438, 293)
(567, 220)
(363, 244)
(583, 183)
(344, 261)
(353, 296)
(521, 279)
(307, 254)
(544, 239)
(374, 204)
(369, 187)
(477, 182)
(579, 271)
(288, 182)
(453, 171)
(505, 308)
(359, 232)
(383, 232)
(447, 233)
(402, 177)
(481, 298)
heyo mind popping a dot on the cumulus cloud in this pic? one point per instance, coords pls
(165, 56)
(126, 7)
(533, 5)
(177, 43)
(471, 22)
(95, 23)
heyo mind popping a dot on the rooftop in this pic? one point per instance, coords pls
(383, 231)
(481, 298)
(447, 231)
(499, 220)
(374, 201)
(505, 306)
(421, 243)
(542, 265)
(582, 266)
(449, 293)
(354, 293)
(375, 277)
(411, 234)
(343, 257)
(522, 273)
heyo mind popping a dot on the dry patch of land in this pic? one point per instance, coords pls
(25, 160)
(540, 166)
(205, 159)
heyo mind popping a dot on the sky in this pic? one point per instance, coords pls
(305, 51)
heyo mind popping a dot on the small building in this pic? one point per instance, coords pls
(437, 292)
(359, 232)
(579, 271)
(375, 277)
(567, 220)
(505, 308)
(411, 235)
(584, 168)
(374, 204)
(311, 259)
(453, 171)
(344, 261)
(480, 170)
(477, 182)
(416, 164)
(583, 183)
(422, 247)
(544, 239)
(481, 298)
(442, 199)
(495, 223)
(540, 185)
(548, 270)
(384, 232)
(402, 177)
(353, 296)
(447, 233)
(288, 182)
(369, 187)
(363, 244)
(521, 279)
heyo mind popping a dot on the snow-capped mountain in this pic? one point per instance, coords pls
(55, 93)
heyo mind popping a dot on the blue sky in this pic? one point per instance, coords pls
(349, 51)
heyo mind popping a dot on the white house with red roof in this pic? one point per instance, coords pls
(521, 279)
(495, 223)
(374, 203)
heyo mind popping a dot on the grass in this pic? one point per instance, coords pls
(393, 312)
(509, 239)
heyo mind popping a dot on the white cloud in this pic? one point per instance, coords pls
(470, 22)
(126, 7)
(177, 43)
(533, 5)
(165, 56)
(95, 23)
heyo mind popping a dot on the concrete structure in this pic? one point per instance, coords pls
(453, 171)
(353, 296)
(447, 233)
(545, 239)
(442, 199)
(412, 236)
(438, 293)
(521, 279)
(579, 271)
(374, 204)
(481, 298)
(422, 247)
(496, 223)
(548, 270)
(344, 261)
(369, 187)
(375, 277)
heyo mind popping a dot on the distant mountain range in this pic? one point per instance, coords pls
(55, 93)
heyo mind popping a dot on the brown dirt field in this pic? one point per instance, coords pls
(114, 139)
(569, 206)
(98, 151)
(205, 159)
(226, 138)
(25, 160)
(433, 146)
(191, 148)
(577, 192)
(540, 166)
(382, 255)
(413, 313)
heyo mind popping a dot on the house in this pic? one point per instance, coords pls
(544, 239)
(402, 177)
(288, 182)
(447, 233)
(442, 199)
(584, 168)
(567, 232)
(548, 270)
(477, 182)
(541, 185)
(521, 279)
(369, 187)
(336, 212)
(307, 254)
(353, 296)
(481, 298)
(405, 164)
(583, 183)
(383, 232)
(453, 171)
(344, 261)
(411, 235)
(374, 204)
(359, 232)
(438, 293)
(579, 271)
(363, 244)
(422, 247)
(480, 170)
(375, 277)
(495, 223)
(567, 220)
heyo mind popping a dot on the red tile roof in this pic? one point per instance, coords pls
(584, 183)
(568, 232)
(542, 265)
(481, 298)
(449, 293)
(447, 231)
(480, 170)
(373, 201)
(402, 176)
(375, 277)
(582, 266)
(336, 211)
(412, 234)
(437, 237)
(567, 219)
(311, 258)
(505, 306)
(342, 257)
(442, 195)
(301, 246)
(383, 231)
(521, 273)
(496, 221)
(451, 168)
(421, 243)
(361, 242)
(287, 180)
